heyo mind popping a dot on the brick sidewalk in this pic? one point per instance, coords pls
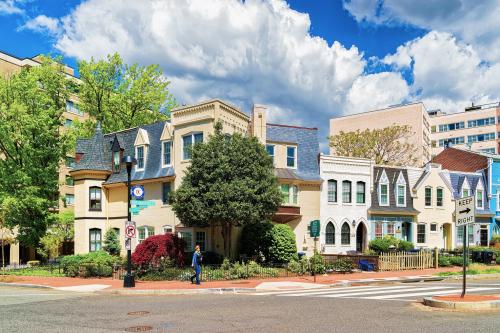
(247, 283)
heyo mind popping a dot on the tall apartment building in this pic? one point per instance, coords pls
(476, 128)
(163, 154)
(10, 65)
(415, 115)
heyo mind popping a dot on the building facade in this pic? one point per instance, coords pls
(345, 198)
(414, 115)
(162, 152)
(10, 65)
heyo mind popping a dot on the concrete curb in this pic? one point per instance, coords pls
(25, 285)
(176, 291)
(472, 277)
(483, 305)
(388, 281)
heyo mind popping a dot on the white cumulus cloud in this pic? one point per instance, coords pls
(42, 23)
(9, 7)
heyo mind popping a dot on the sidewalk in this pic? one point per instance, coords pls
(300, 282)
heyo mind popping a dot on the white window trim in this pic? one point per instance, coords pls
(296, 159)
(425, 233)
(482, 198)
(404, 195)
(192, 134)
(274, 151)
(425, 205)
(442, 197)
(167, 226)
(437, 228)
(163, 165)
(146, 232)
(137, 155)
(380, 194)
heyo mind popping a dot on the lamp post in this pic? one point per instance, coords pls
(128, 280)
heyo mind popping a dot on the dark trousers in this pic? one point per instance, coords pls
(197, 270)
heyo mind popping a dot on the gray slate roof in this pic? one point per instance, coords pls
(307, 150)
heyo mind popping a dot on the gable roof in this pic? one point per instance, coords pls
(461, 160)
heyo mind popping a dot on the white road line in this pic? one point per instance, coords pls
(311, 290)
(349, 291)
(444, 292)
(393, 292)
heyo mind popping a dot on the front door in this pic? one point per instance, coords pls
(360, 237)
(484, 237)
(5, 255)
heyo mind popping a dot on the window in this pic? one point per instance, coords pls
(421, 233)
(481, 122)
(434, 227)
(460, 234)
(73, 108)
(70, 162)
(167, 153)
(70, 199)
(166, 189)
(95, 198)
(270, 151)
(433, 129)
(145, 232)
(68, 122)
(384, 196)
(139, 155)
(390, 229)
(451, 127)
(285, 193)
(94, 240)
(378, 230)
(470, 233)
(187, 236)
(167, 229)
(187, 144)
(465, 192)
(479, 199)
(346, 191)
(330, 234)
(345, 234)
(428, 196)
(295, 194)
(480, 137)
(70, 181)
(360, 192)
(116, 161)
(433, 143)
(439, 197)
(332, 190)
(291, 155)
(452, 141)
(200, 239)
(401, 195)
(489, 150)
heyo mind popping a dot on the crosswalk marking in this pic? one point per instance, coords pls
(383, 292)
(351, 291)
(444, 292)
(309, 290)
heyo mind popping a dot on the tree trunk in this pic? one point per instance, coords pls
(226, 236)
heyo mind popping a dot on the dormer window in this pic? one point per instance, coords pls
(291, 156)
(166, 153)
(383, 190)
(140, 157)
(401, 191)
(116, 161)
(465, 189)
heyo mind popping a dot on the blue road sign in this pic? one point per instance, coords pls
(137, 192)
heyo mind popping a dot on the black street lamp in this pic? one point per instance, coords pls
(128, 280)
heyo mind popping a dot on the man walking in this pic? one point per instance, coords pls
(196, 264)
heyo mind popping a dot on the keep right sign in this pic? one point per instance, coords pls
(465, 211)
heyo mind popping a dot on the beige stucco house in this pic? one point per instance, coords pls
(161, 150)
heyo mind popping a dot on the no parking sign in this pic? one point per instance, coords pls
(130, 230)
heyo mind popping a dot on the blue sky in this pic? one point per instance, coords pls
(306, 60)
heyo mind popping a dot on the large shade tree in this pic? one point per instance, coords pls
(230, 182)
(32, 146)
(388, 145)
(121, 96)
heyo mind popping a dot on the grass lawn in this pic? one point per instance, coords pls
(474, 269)
(33, 271)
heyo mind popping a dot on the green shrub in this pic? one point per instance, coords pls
(33, 263)
(112, 243)
(444, 261)
(457, 261)
(387, 243)
(495, 239)
(317, 264)
(97, 263)
(299, 267)
(342, 265)
(282, 246)
(405, 246)
(254, 241)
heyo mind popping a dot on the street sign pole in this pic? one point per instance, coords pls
(465, 211)
(464, 283)
(314, 261)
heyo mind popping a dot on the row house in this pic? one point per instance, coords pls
(163, 154)
(345, 198)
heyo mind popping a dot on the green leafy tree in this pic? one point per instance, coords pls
(282, 247)
(389, 145)
(230, 182)
(273, 242)
(32, 146)
(112, 243)
(120, 96)
(58, 233)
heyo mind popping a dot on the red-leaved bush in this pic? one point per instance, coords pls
(155, 248)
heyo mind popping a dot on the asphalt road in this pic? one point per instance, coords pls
(44, 310)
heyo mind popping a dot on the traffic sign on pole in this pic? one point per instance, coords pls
(130, 230)
(128, 244)
(137, 192)
(314, 228)
(465, 210)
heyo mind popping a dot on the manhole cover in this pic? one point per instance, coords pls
(139, 329)
(138, 313)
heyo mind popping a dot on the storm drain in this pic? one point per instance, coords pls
(139, 329)
(138, 313)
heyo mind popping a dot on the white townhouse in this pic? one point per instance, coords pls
(345, 199)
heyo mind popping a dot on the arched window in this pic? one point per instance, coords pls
(145, 232)
(95, 239)
(345, 234)
(332, 190)
(167, 229)
(330, 234)
(95, 198)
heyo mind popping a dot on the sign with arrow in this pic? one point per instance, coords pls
(465, 211)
